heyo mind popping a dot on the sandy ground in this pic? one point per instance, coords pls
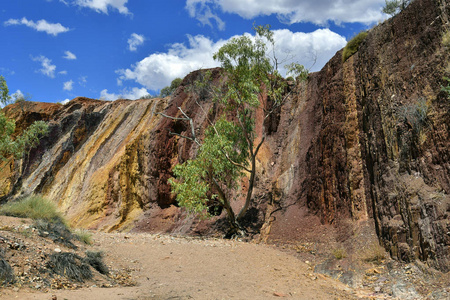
(166, 267)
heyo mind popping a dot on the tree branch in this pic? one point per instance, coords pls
(186, 118)
(259, 146)
(276, 106)
(183, 136)
(173, 118)
(235, 163)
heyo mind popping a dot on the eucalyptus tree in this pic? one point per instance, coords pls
(11, 144)
(229, 148)
(393, 7)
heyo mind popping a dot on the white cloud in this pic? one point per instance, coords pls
(133, 94)
(47, 68)
(18, 95)
(64, 102)
(158, 70)
(291, 11)
(63, 72)
(134, 41)
(103, 5)
(68, 85)
(313, 50)
(201, 9)
(41, 25)
(82, 80)
(69, 55)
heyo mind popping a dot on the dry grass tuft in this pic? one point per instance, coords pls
(339, 253)
(374, 253)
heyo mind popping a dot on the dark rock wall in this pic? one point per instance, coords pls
(383, 147)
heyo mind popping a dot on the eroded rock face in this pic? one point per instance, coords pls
(360, 140)
(383, 144)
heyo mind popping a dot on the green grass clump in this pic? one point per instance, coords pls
(33, 207)
(84, 236)
(353, 45)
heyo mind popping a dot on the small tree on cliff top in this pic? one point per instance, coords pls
(14, 147)
(230, 145)
(393, 7)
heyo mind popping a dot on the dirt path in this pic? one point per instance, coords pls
(167, 267)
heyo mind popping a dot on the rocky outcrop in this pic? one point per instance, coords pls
(362, 140)
(383, 145)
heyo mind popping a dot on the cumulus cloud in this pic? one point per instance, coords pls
(134, 41)
(104, 5)
(41, 25)
(18, 95)
(290, 11)
(69, 55)
(158, 70)
(68, 85)
(47, 68)
(133, 94)
(313, 50)
(64, 102)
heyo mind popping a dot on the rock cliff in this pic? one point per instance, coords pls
(365, 140)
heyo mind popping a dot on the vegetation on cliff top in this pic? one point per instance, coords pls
(353, 45)
(393, 7)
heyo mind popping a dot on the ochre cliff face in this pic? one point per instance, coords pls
(367, 139)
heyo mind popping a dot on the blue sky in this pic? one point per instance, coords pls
(60, 49)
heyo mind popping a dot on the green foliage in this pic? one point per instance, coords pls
(228, 148)
(197, 177)
(33, 207)
(16, 146)
(168, 90)
(84, 236)
(353, 45)
(248, 67)
(298, 71)
(393, 7)
(5, 98)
